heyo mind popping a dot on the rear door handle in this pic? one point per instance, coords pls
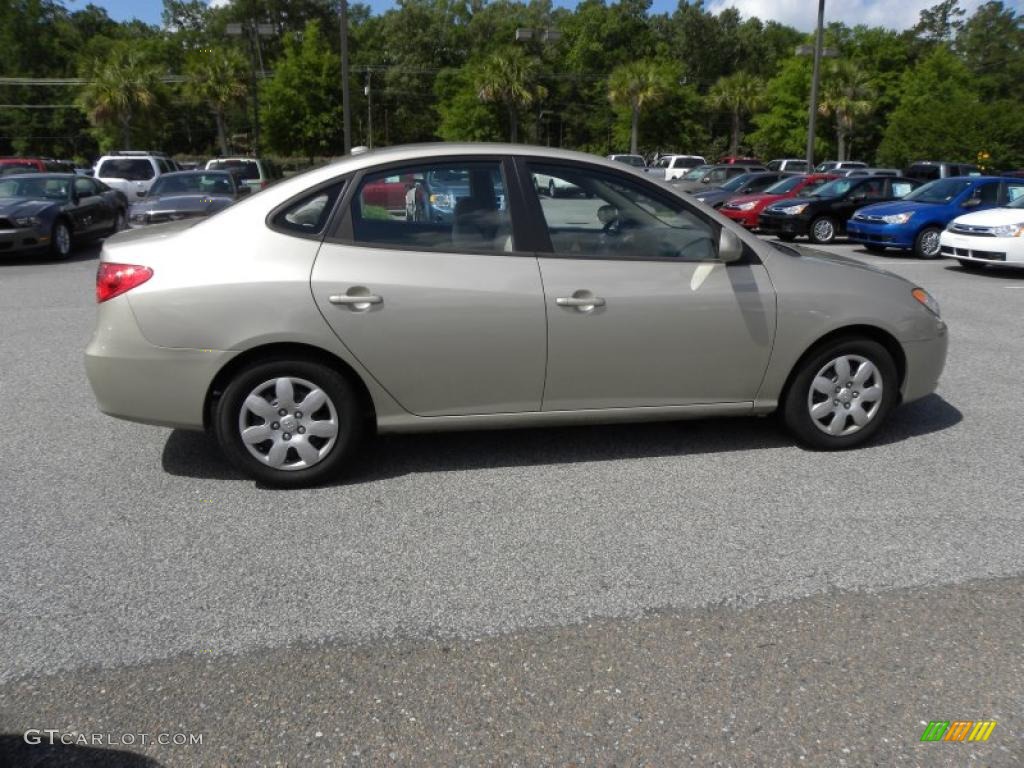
(580, 302)
(340, 299)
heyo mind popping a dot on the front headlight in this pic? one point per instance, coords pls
(27, 221)
(898, 218)
(441, 201)
(926, 300)
(745, 206)
(1009, 230)
(792, 210)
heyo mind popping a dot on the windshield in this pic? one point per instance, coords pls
(738, 182)
(41, 188)
(1017, 196)
(130, 169)
(836, 188)
(697, 173)
(635, 160)
(784, 185)
(938, 191)
(247, 169)
(199, 183)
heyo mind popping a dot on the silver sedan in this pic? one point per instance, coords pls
(296, 321)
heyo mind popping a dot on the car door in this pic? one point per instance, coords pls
(640, 312)
(90, 211)
(444, 312)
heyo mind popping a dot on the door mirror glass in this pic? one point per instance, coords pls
(730, 247)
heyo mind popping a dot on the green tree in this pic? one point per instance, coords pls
(635, 86)
(738, 94)
(846, 95)
(301, 102)
(216, 79)
(510, 78)
(939, 115)
(121, 89)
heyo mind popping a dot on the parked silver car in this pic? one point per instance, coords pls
(298, 319)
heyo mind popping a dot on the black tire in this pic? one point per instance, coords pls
(120, 221)
(796, 404)
(926, 244)
(971, 266)
(342, 394)
(786, 237)
(820, 229)
(60, 240)
(875, 248)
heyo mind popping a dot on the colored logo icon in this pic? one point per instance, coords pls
(958, 730)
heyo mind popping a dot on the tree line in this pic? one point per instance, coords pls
(603, 77)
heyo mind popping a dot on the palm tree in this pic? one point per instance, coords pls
(846, 94)
(216, 77)
(510, 78)
(738, 94)
(119, 89)
(634, 86)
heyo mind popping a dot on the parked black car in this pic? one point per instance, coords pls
(744, 184)
(188, 195)
(40, 211)
(822, 215)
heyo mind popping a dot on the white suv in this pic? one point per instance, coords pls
(132, 172)
(676, 166)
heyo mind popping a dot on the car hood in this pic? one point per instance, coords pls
(764, 199)
(896, 206)
(994, 217)
(23, 206)
(837, 260)
(182, 203)
(805, 200)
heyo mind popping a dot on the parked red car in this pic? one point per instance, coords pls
(21, 165)
(737, 160)
(744, 210)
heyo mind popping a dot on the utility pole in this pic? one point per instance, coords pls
(254, 31)
(346, 105)
(368, 91)
(812, 114)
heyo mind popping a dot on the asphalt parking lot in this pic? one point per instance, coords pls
(699, 593)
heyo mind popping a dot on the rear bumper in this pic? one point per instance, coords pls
(891, 235)
(925, 362)
(135, 380)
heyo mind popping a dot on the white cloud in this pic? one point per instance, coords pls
(803, 14)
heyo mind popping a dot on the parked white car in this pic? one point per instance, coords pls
(676, 166)
(554, 186)
(789, 164)
(634, 160)
(995, 236)
(132, 172)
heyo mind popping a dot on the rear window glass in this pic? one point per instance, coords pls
(924, 172)
(308, 215)
(245, 169)
(132, 169)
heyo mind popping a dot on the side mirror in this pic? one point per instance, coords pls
(730, 247)
(705, 180)
(973, 202)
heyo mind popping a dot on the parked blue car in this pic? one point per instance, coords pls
(916, 221)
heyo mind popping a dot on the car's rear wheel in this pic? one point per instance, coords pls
(823, 230)
(60, 239)
(926, 244)
(289, 423)
(973, 266)
(841, 394)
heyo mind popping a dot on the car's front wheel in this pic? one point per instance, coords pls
(926, 245)
(841, 394)
(60, 239)
(289, 423)
(823, 230)
(120, 221)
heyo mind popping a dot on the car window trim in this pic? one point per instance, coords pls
(341, 232)
(545, 248)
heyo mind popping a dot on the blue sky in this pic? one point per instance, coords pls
(799, 13)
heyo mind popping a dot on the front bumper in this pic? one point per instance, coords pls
(135, 380)
(925, 361)
(23, 239)
(747, 219)
(871, 233)
(781, 224)
(984, 250)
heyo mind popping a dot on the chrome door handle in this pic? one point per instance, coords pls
(580, 301)
(355, 301)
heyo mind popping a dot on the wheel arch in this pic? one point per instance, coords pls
(871, 332)
(279, 350)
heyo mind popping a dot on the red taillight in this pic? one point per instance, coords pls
(114, 279)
